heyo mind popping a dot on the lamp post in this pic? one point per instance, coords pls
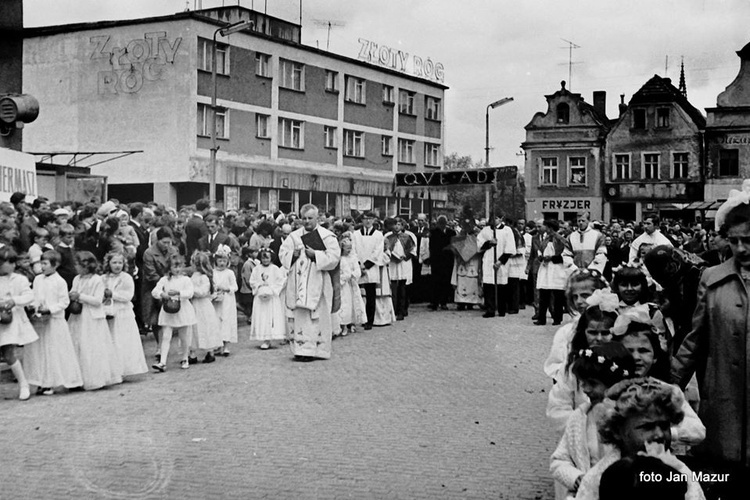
(504, 100)
(227, 30)
(490, 199)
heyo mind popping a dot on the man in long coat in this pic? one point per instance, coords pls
(310, 254)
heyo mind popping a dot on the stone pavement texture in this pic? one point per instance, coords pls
(442, 405)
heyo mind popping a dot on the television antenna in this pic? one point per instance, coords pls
(570, 48)
(328, 24)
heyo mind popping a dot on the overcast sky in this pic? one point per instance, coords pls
(502, 48)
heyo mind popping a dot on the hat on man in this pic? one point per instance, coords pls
(106, 209)
(61, 211)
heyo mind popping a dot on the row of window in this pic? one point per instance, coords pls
(292, 76)
(639, 116)
(621, 168)
(291, 135)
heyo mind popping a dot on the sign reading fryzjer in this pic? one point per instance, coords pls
(472, 176)
(17, 173)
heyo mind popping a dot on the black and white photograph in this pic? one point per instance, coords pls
(395, 249)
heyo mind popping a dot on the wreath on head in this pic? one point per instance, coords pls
(602, 360)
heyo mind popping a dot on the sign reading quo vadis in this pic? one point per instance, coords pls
(472, 176)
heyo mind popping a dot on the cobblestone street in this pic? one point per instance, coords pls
(442, 405)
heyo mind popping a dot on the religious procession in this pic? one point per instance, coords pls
(651, 338)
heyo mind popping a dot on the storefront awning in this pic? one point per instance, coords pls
(704, 205)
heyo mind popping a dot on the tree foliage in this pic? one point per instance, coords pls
(508, 201)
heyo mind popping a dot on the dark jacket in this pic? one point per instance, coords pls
(220, 239)
(195, 229)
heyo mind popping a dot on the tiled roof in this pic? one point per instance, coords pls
(660, 90)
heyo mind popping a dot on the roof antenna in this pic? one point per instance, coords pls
(570, 48)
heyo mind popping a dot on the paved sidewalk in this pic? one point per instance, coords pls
(443, 405)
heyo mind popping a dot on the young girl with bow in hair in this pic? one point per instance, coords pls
(177, 313)
(51, 361)
(15, 327)
(118, 305)
(597, 369)
(100, 364)
(207, 329)
(225, 285)
(269, 320)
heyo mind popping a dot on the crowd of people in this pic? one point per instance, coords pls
(658, 312)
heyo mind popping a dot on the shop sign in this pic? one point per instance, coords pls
(566, 204)
(17, 174)
(456, 177)
(388, 57)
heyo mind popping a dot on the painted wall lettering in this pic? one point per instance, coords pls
(733, 139)
(133, 63)
(388, 57)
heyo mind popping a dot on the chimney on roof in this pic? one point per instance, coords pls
(622, 106)
(600, 102)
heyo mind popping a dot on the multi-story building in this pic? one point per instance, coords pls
(564, 153)
(654, 154)
(728, 135)
(295, 124)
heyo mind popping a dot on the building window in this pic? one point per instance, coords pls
(203, 116)
(563, 113)
(354, 143)
(651, 165)
(549, 172)
(387, 94)
(329, 136)
(432, 155)
(386, 145)
(577, 171)
(261, 64)
(205, 56)
(292, 75)
(332, 78)
(621, 169)
(680, 165)
(662, 117)
(286, 200)
(729, 163)
(406, 102)
(405, 151)
(432, 108)
(261, 126)
(639, 118)
(355, 90)
(222, 123)
(290, 133)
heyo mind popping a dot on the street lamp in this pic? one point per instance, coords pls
(489, 200)
(504, 100)
(226, 30)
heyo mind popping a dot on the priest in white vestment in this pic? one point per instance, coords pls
(309, 255)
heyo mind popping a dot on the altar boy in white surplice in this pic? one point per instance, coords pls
(309, 254)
